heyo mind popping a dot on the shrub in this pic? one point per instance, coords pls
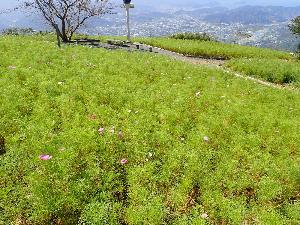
(213, 49)
(96, 213)
(193, 36)
(272, 70)
(18, 31)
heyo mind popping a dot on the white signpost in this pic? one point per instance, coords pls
(128, 6)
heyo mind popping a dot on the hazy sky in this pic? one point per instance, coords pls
(188, 3)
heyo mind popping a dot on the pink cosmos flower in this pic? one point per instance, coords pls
(101, 130)
(124, 161)
(45, 157)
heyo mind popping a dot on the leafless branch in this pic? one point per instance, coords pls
(69, 15)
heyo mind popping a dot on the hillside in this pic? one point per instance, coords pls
(267, 25)
(255, 15)
(113, 137)
(277, 67)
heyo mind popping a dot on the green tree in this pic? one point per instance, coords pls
(294, 26)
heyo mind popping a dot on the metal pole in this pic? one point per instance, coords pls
(128, 22)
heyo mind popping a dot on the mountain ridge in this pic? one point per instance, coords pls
(265, 26)
(255, 15)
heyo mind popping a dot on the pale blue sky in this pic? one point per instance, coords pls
(187, 3)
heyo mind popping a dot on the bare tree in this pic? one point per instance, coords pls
(68, 15)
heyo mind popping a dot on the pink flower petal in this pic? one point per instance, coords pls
(101, 130)
(124, 161)
(45, 157)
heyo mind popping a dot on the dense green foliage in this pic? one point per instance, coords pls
(18, 31)
(192, 36)
(203, 147)
(294, 26)
(272, 70)
(213, 49)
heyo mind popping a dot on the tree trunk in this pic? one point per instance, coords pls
(63, 31)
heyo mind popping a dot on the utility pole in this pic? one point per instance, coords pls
(128, 6)
(128, 22)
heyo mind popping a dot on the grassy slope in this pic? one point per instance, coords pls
(213, 49)
(271, 65)
(249, 170)
(272, 70)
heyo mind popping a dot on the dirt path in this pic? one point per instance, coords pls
(190, 59)
(116, 44)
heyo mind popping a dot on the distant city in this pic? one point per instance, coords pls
(261, 26)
